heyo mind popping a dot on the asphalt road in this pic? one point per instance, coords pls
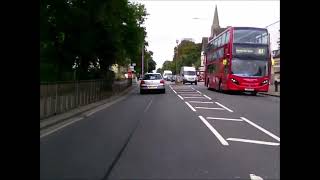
(188, 133)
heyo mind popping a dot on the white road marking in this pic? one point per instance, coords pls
(198, 95)
(262, 129)
(225, 119)
(184, 91)
(215, 132)
(253, 141)
(65, 125)
(180, 97)
(200, 102)
(146, 109)
(190, 93)
(190, 106)
(224, 107)
(192, 88)
(174, 91)
(195, 97)
(254, 177)
(209, 108)
(207, 97)
(198, 91)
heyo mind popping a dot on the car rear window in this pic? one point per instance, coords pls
(152, 77)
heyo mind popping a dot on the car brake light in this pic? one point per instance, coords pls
(162, 81)
(142, 82)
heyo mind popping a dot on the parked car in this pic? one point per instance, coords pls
(152, 82)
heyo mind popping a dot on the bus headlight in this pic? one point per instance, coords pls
(265, 82)
(234, 81)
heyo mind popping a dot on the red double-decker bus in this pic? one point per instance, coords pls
(239, 59)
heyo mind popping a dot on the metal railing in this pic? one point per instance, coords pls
(59, 97)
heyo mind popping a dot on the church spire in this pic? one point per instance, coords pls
(215, 24)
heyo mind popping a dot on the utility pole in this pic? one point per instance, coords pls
(142, 60)
(177, 41)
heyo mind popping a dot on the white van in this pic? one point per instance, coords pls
(166, 73)
(188, 74)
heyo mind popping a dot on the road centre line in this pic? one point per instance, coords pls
(209, 108)
(262, 129)
(190, 106)
(253, 141)
(215, 132)
(225, 119)
(180, 97)
(149, 104)
(224, 107)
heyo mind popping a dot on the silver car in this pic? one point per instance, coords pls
(152, 82)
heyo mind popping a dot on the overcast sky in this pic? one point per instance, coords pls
(172, 20)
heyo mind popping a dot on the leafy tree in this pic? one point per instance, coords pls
(85, 37)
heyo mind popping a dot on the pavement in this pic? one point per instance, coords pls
(272, 91)
(62, 118)
(188, 133)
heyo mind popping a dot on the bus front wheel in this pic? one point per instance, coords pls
(219, 86)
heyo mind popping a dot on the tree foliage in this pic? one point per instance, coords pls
(85, 37)
(188, 53)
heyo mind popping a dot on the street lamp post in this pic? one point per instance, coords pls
(142, 59)
(177, 41)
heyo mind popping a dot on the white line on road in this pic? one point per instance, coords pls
(146, 109)
(207, 97)
(215, 132)
(225, 119)
(199, 92)
(253, 141)
(209, 108)
(180, 97)
(198, 95)
(67, 124)
(184, 91)
(189, 93)
(201, 102)
(192, 88)
(174, 91)
(224, 107)
(254, 177)
(190, 106)
(262, 129)
(195, 97)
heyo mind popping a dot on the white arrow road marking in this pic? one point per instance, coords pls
(254, 177)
